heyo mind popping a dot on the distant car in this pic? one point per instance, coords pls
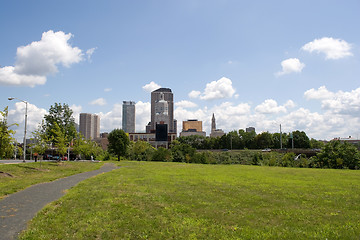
(266, 150)
(64, 158)
(57, 158)
(47, 157)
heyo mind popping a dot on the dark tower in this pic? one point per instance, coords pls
(162, 94)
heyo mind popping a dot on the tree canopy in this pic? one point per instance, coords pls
(118, 142)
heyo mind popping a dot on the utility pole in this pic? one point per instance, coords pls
(280, 138)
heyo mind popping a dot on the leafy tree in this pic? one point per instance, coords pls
(264, 140)
(248, 138)
(85, 148)
(316, 144)
(182, 152)
(141, 151)
(6, 135)
(339, 155)
(161, 155)
(118, 142)
(58, 139)
(40, 139)
(301, 140)
(60, 115)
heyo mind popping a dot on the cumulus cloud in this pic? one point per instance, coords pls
(152, 86)
(347, 103)
(185, 104)
(321, 93)
(194, 94)
(37, 60)
(332, 48)
(99, 102)
(17, 115)
(270, 106)
(77, 109)
(291, 65)
(219, 89)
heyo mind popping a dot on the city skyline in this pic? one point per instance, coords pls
(255, 63)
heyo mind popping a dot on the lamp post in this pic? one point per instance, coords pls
(26, 105)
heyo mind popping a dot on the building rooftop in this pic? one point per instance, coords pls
(163, 90)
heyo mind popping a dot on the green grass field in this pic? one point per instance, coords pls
(19, 176)
(149, 200)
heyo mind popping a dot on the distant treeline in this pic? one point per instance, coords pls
(332, 155)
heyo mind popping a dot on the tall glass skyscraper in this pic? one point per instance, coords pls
(128, 116)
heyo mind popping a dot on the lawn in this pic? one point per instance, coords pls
(149, 200)
(16, 177)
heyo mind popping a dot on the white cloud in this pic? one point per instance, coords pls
(143, 111)
(185, 104)
(76, 112)
(112, 119)
(99, 102)
(90, 52)
(37, 60)
(332, 48)
(347, 103)
(291, 65)
(17, 115)
(269, 106)
(152, 86)
(219, 89)
(107, 89)
(194, 94)
(321, 93)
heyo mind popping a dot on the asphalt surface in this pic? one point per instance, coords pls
(19, 208)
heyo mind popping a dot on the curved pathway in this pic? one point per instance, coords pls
(18, 208)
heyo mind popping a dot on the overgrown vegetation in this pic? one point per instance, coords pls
(154, 200)
(332, 155)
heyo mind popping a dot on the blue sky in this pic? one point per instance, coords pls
(252, 63)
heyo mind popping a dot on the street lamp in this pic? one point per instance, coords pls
(26, 105)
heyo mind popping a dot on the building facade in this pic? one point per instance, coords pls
(128, 116)
(89, 125)
(192, 127)
(162, 109)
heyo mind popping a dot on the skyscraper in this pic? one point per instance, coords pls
(215, 132)
(89, 125)
(128, 116)
(162, 109)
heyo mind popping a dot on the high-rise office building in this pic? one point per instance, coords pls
(128, 116)
(162, 109)
(89, 125)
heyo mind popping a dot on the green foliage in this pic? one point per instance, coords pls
(161, 155)
(264, 140)
(141, 151)
(6, 136)
(339, 155)
(60, 117)
(182, 152)
(118, 143)
(40, 139)
(86, 148)
(301, 140)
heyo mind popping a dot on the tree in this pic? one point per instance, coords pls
(301, 140)
(61, 115)
(248, 138)
(58, 139)
(141, 151)
(182, 152)
(118, 142)
(6, 135)
(40, 139)
(161, 155)
(264, 140)
(339, 155)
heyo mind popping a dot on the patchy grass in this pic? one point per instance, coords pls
(148, 200)
(15, 177)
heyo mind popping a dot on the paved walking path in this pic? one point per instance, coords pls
(19, 208)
